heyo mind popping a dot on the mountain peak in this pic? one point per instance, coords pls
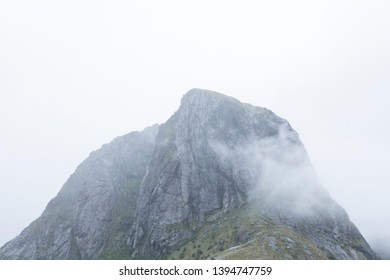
(197, 96)
(219, 174)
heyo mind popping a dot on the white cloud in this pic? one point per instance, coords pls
(75, 74)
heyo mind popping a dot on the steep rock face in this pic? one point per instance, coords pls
(220, 179)
(95, 207)
(185, 184)
(216, 155)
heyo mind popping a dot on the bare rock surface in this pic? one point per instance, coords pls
(230, 179)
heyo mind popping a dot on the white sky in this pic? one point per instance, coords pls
(76, 74)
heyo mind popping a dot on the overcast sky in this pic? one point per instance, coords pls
(76, 74)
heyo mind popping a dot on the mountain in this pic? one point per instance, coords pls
(93, 211)
(219, 180)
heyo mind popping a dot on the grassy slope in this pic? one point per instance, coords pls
(243, 234)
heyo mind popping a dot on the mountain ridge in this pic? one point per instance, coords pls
(216, 168)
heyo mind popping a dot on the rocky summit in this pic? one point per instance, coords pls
(219, 180)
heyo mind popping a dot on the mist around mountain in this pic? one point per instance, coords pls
(382, 247)
(219, 179)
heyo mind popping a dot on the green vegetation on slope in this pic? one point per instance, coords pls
(244, 234)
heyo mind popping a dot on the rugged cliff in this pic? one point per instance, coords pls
(94, 209)
(220, 179)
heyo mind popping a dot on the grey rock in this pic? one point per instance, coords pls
(94, 209)
(215, 155)
(213, 164)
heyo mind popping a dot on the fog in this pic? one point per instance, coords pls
(76, 74)
(276, 171)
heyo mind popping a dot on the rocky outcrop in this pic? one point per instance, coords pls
(94, 209)
(220, 179)
(216, 155)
